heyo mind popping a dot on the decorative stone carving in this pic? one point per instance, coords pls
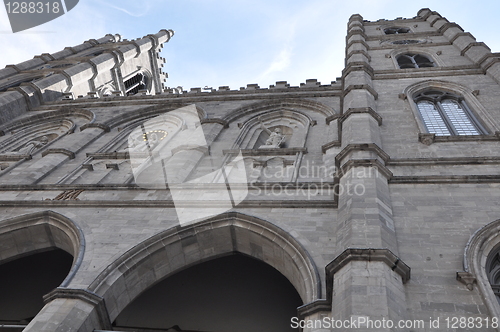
(275, 140)
(31, 146)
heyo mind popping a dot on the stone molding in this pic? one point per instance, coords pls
(321, 305)
(478, 248)
(102, 126)
(329, 145)
(66, 152)
(82, 295)
(360, 87)
(468, 47)
(435, 179)
(362, 147)
(222, 122)
(366, 255)
(266, 152)
(360, 110)
(54, 219)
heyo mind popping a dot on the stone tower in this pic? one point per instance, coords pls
(367, 203)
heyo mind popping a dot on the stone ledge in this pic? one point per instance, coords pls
(83, 295)
(66, 152)
(367, 255)
(361, 147)
(266, 152)
(361, 110)
(444, 161)
(436, 179)
(429, 139)
(222, 122)
(14, 157)
(321, 305)
(360, 87)
(329, 145)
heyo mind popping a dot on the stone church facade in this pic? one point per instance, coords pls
(375, 196)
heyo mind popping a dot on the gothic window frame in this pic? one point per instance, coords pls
(447, 114)
(479, 253)
(476, 110)
(417, 50)
(493, 271)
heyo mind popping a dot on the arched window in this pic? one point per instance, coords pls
(447, 114)
(410, 60)
(395, 30)
(135, 83)
(493, 272)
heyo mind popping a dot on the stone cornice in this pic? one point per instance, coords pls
(159, 99)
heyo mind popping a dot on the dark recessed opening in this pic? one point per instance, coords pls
(228, 294)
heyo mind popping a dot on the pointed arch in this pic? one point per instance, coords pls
(281, 103)
(180, 247)
(484, 243)
(41, 231)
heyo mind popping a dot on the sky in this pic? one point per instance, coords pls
(238, 42)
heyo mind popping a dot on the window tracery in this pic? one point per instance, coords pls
(447, 114)
(410, 60)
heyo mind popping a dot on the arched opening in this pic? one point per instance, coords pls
(226, 294)
(176, 249)
(24, 282)
(38, 252)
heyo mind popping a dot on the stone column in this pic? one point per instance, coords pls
(365, 281)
